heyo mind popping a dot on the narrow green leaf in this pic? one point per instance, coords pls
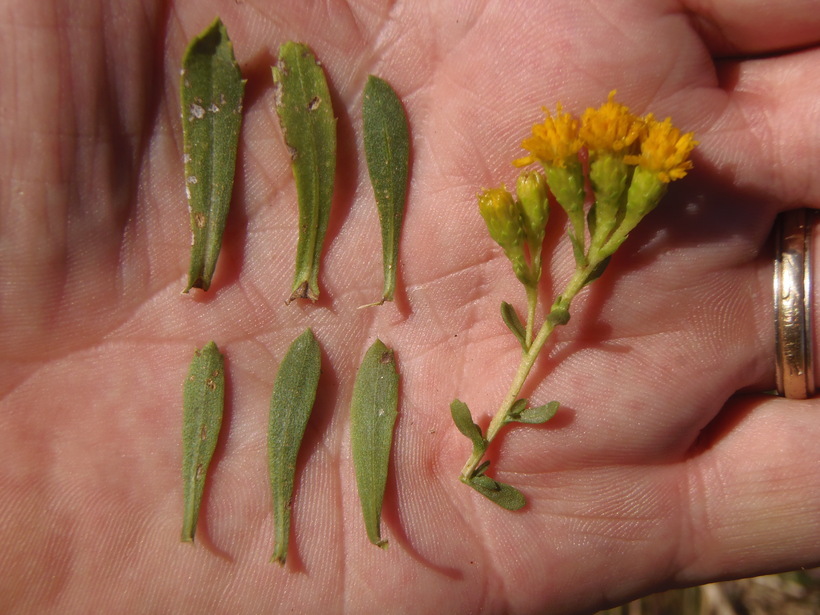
(464, 421)
(211, 94)
(506, 496)
(535, 416)
(373, 413)
(514, 324)
(309, 128)
(290, 406)
(387, 149)
(203, 401)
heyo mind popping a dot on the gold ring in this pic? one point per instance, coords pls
(792, 304)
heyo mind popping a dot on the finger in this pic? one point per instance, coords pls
(766, 139)
(766, 311)
(754, 492)
(744, 27)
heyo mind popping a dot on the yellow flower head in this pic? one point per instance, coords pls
(664, 150)
(553, 141)
(610, 127)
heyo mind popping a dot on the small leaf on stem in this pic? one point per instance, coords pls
(514, 324)
(559, 315)
(506, 496)
(464, 421)
(535, 416)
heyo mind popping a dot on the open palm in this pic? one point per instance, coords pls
(653, 473)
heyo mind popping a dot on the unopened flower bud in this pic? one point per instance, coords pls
(503, 217)
(504, 222)
(531, 188)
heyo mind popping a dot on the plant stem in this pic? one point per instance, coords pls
(562, 302)
(532, 304)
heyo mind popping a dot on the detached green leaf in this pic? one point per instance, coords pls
(534, 416)
(211, 94)
(514, 324)
(387, 149)
(506, 496)
(306, 117)
(464, 421)
(291, 404)
(373, 413)
(203, 401)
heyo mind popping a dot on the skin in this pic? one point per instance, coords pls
(666, 465)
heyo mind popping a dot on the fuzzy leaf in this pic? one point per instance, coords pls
(373, 413)
(203, 402)
(464, 421)
(502, 494)
(535, 416)
(290, 407)
(514, 324)
(387, 150)
(211, 92)
(306, 118)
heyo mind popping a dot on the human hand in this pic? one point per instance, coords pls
(654, 472)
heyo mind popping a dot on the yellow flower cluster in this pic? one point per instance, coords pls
(610, 129)
(664, 150)
(554, 141)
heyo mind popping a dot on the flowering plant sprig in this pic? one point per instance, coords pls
(629, 164)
